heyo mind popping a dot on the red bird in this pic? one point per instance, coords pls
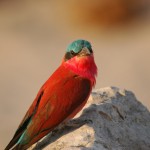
(61, 97)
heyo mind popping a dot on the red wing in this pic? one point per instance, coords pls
(59, 97)
(65, 98)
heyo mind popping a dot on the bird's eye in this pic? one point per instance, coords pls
(91, 50)
(73, 53)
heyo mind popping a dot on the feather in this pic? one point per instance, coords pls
(22, 127)
(61, 97)
(52, 106)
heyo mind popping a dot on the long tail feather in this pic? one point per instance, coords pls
(13, 142)
(19, 147)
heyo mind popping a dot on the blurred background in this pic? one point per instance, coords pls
(34, 35)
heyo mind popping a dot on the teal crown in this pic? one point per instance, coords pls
(78, 45)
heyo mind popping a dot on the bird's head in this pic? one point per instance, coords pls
(79, 58)
(78, 48)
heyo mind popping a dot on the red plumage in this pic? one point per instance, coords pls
(61, 97)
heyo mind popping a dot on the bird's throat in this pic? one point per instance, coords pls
(84, 66)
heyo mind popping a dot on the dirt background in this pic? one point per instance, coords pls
(34, 36)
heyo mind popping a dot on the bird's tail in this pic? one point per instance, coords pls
(11, 143)
(16, 147)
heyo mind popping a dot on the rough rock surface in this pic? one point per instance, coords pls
(112, 119)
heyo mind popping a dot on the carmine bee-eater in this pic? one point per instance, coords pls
(61, 97)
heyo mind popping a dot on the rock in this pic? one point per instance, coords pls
(112, 119)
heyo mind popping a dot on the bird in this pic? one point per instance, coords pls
(60, 98)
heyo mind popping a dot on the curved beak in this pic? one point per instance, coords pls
(84, 52)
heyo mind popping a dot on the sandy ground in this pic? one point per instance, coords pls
(33, 40)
